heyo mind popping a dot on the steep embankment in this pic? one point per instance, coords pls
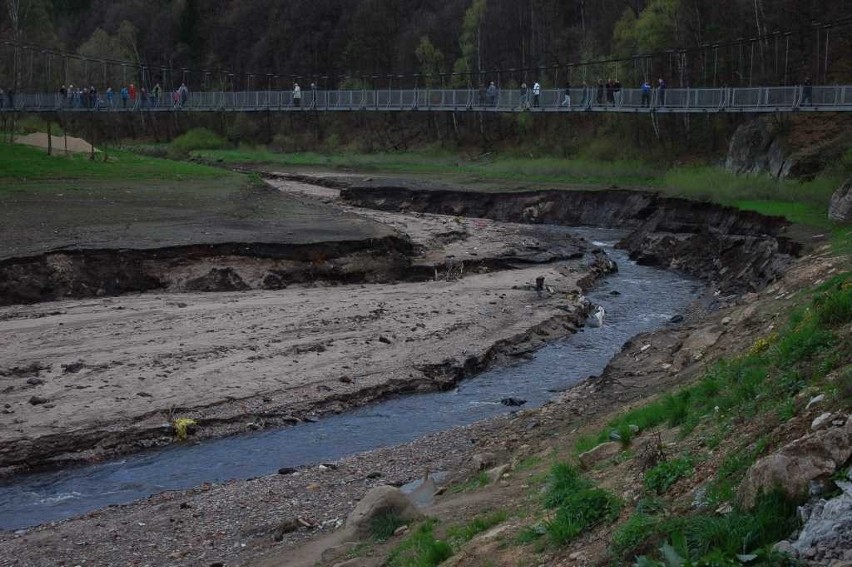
(733, 250)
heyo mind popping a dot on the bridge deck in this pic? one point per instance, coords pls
(836, 98)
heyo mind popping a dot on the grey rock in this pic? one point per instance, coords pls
(482, 461)
(600, 453)
(821, 422)
(377, 502)
(840, 206)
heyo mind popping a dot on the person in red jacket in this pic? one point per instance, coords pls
(132, 92)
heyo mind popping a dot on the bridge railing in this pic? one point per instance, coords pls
(756, 99)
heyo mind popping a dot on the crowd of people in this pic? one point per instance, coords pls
(127, 97)
(601, 94)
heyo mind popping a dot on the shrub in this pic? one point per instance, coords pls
(196, 139)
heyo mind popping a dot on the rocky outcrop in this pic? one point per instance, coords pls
(814, 456)
(380, 501)
(764, 146)
(827, 533)
(734, 250)
(840, 207)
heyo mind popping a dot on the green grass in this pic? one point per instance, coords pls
(420, 549)
(21, 164)
(459, 535)
(480, 480)
(661, 477)
(383, 526)
(709, 539)
(578, 503)
(537, 170)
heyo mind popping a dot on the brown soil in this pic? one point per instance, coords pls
(68, 144)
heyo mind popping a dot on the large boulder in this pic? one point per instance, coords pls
(794, 466)
(756, 148)
(765, 145)
(380, 501)
(840, 207)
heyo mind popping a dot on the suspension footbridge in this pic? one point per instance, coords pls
(836, 98)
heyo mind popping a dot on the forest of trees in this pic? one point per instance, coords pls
(342, 41)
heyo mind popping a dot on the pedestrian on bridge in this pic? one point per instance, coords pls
(313, 94)
(567, 100)
(134, 99)
(183, 94)
(646, 93)
(536, 94)
(491, 92)
(2, 98)
(661, 92)
(523, 104)
(125, 95)
(297, 95)
(807, 92)
(110, 97)
(157, 92)
(600, 93)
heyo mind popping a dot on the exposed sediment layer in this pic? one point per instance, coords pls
(214, 267)
(734, 250)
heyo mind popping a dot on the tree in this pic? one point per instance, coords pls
(470, 61)
(431, 61)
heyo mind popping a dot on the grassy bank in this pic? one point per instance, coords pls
(137, 202)
(23, 164)
(803, 202)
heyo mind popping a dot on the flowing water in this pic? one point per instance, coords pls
(647, 298)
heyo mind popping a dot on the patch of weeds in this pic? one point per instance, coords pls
(660, 478)
(732, 470)
(584, 509)
(833, 303)
(478, 481)
(464, 533)
(420, 549)
(579, 505)
(359, 550)
(677, 407)
(844, 385)
(183, 426)
(709, 539)
(586, 443)
(787, 410)
(383, 526)
(531, 534)
(633, 533)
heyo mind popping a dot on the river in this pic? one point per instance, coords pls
(646, 298)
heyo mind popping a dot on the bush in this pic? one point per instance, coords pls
(196, 139)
